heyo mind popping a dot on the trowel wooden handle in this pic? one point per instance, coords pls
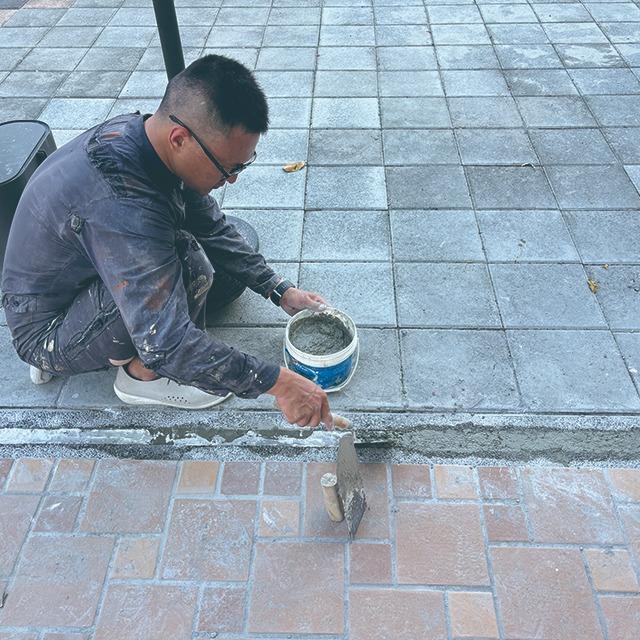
(340, 422)
(329, 483)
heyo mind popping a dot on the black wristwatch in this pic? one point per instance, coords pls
(278, 292)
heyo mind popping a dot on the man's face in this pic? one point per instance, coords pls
(193, 161)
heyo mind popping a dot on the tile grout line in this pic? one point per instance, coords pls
(594, 595)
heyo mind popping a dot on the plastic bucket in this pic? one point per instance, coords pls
(333, 371)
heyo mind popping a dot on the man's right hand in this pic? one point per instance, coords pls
(301, 401)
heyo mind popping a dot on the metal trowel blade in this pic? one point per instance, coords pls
(350, 486)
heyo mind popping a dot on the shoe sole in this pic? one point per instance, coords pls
(127, 398)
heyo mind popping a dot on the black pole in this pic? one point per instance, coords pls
(169, 32)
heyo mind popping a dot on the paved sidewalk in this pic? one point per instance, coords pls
(472, 165)
(200, 549)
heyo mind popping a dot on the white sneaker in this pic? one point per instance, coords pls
(38, 376)
(163, 391)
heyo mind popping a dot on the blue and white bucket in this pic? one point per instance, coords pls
(332, 371)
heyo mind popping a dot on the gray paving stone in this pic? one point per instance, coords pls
(633, 171)
(589, 55)
(10, 58)
(283, 58)
(485, 82)
(70, 113)
(526, 236)
(52, 59)
(131, 36)
(301, 15)
(292, 36)
(629, 344)
(267, 188)
(575, 33)
(419, 146)
(605, 81)
(21, 108)
(152, 59)
(625, 142)
(623, 111)
(593, 187)
(350, 188)
(88, 84)
(35, 18)
(623, 32)
(247, 57)
(93, 390)
(528, 56)
(409, 83)
(141, 16)
(242, 16)
(508, 13)
(346, 235)
(365, 391)
(631, 53)
(145, 84)
(428, 187)
(99, 59)
(79, 17)
(460, 34)
(569, 111)
(70, 36)
(289, 112)
(565, 12)
(280, 231)
(21, 36)
(354, 147)
(347, 16)
(347, 36)
(435, 235)
(571, 146)
(458, 370)
(400, 15)
(477, 56)
(282, 146)
(190, 36)
(495, 146)
(406, 58)
(285, 84)
(484, 112)
(615, 12)
(62, 136)
(31, 84)
(510, 188)
(445, 295)
(402, 35)
(448, 14)
(252, 309)
(235, 37)
(517, 34)
(16, 389)
(414, 112)
(362, 290)
(618, 294)
(571, 371)
(336, 113)
(543, 296)
(340, 58)
(606, 237)
(540, 82)
(346, 83)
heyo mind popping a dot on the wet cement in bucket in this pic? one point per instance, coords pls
(320, 334)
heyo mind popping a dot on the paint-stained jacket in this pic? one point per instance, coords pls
(105, 205)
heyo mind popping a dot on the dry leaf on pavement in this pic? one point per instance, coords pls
(294, 166)
(593, 285)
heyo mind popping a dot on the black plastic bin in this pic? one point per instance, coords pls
(24, 144)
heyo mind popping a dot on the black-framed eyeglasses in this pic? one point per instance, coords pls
(227, 174)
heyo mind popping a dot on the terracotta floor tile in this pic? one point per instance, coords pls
(316, 520)
(370, 562)
(455, 482)
(5, 468)
(631, 522)
(440, 544)
(411, 480)
(58, 582)
(612, 570)
(198, 476)
(544, 593)
(58, 513)
(498, 483)
(505, 523)
(29, 475)
(622, 616)
(129, 496)
(149, 612)
(472, 615)
(570, 505)
(241, 478)
(625, 483)
(279, 518)
(209, 540)
(375, 522)
(16, 513)
(377, 614)
(282, 478)
(298, 588)
(222, 609)
(136, 558)
(71, 475)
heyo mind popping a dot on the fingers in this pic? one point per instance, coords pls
(327, 418)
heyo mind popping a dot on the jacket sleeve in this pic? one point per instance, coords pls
(133, 250)
(226, 248)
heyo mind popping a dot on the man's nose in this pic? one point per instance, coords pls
(232, 179)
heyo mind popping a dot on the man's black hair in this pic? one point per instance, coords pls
(231, 95)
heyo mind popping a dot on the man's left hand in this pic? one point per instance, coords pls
(295, 300)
